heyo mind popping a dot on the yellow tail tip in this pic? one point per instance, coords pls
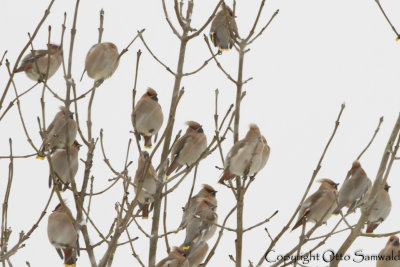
(186, 248)
(145, 217)
(166, 176)
(369, 233)
(334, 214)
(69, 265)
(40, 157)
(148, 147)
(223, 49)
(291, 231)
(397, 39)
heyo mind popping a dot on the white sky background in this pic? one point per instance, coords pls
(314, 56)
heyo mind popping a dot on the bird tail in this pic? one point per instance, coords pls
(145, 211)
(336, 211)
(301, 219)
(69, 257)
(23, 67)
(172, 167)
(225, 176)
(371, 227)
(147, 142)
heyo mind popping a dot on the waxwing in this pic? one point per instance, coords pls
(380, 209)
(245, 157)
(223, 29)
(63, 171)
(63, 235)
(35, 64)
(202, 226)
(390, 254)
(355, 190)
(190, 208)
(146, 195)
(319, 206)
(101, 61)
(188, 149)
(57, 135)
(148, 117)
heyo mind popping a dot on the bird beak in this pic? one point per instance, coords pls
(200, 129)
(396, 242)
(154, 97)
(214, 193)
(71, 115)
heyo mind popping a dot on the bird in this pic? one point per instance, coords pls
(146, 194)
(101, 61)
(148, 116)
(245, 157)
(197, 253)
(188, 149)
(223, 31)
(63, 235)
(57, 135)
(35, 64)
(355, 190)
(190, 208)
(390, 254)
(176, 258)
(319, 206)
(63, 169)
(380, 209)
(202, 226)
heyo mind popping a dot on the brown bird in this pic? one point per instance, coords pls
(35, 64)
(380, 210)
(63, 171)
(63, 235)
(319, 206)
(146, 195)
(148, 117)
(202, 226)
(354, 190)
(390, 254)
(57, 135)
(101, 61)
(245, 157)
(176, 258)
(188, 148)
(223, 31)
(190, 208)
(197, 253)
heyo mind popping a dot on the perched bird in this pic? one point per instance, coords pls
(380, 210)
(176, 258)
(57, 135)
(201, 227)
(354, 190)
(390, 254)
(63, 235)
(63, 171)
(197, 253)
(246, 156)
(188, 148)
(35, 64)
(101, 61)
(148, 117)
(319, 206)
(146, 195)
(190, 208)
(223, 31)
(265, 153)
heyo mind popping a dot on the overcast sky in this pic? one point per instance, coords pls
(315, 56)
